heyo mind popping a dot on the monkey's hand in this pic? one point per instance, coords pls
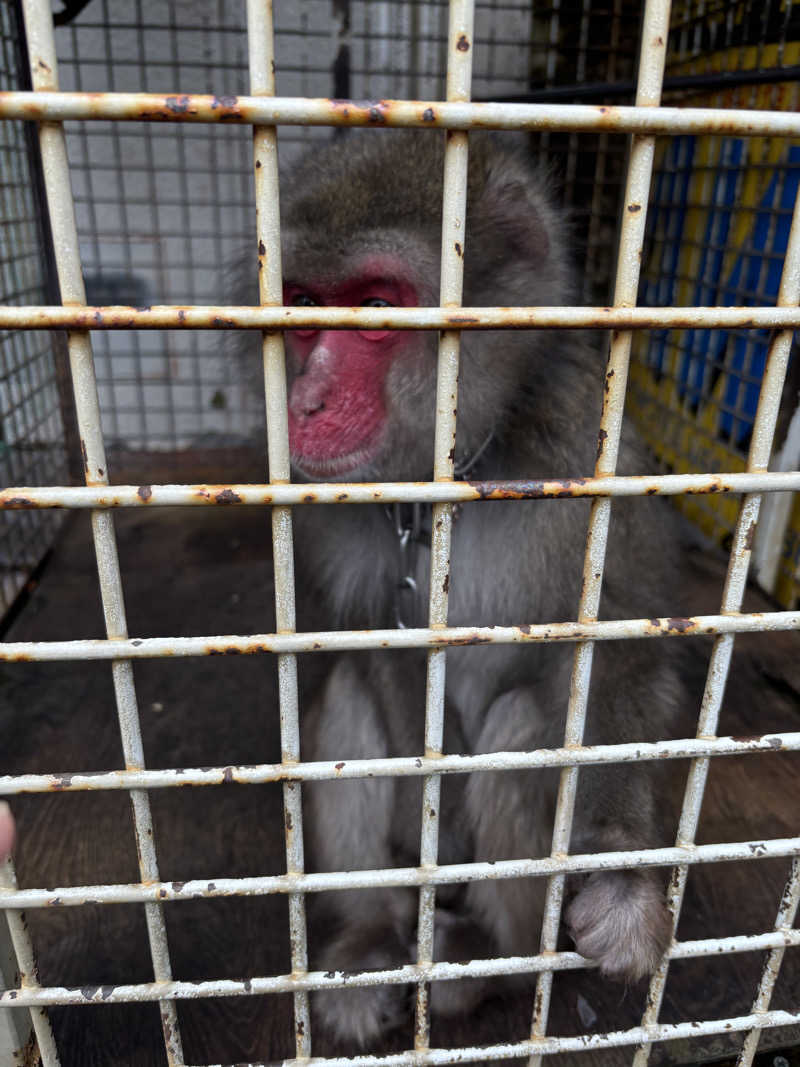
(620, 920)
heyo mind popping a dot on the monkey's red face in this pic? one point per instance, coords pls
(337, 401)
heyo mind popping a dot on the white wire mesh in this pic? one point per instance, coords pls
(644, 121)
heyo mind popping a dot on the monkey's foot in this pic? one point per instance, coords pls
(362, 1016)
(620, 919)
(358, 1016)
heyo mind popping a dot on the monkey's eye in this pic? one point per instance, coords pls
(303, 300)
(376, 302)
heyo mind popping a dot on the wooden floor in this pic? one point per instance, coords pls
(206, 571)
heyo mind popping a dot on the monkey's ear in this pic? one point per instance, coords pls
(507, 211)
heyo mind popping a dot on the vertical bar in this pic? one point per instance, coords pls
(655, 28)
(732, 595)
(769, 976)
(260, 38)
(41, 50)
(460, 43)
(28, 977)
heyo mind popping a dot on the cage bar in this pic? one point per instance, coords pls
(337, 318)
(460, 41)
(399, 766)
(301, 111)
(397, 877)
(260, 39)
(633, 213)
(41, 45)
(250, 494)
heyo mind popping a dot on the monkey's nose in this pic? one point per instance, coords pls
(307, 397)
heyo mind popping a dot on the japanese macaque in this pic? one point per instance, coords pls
(361, 226)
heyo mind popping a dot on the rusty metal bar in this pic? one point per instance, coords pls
(732, 596)
(454, 216)
(453, 115)
(398, 766)
(784, 937)
(42, 55)
(312, 980)
(396, 877)
(225, 317)
(27, 974)
(261, 61)
(655, 30)
(360, 640)
(251, 494)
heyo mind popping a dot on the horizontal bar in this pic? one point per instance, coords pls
(452, 874)
(397, 766)
(304, 111)
(422, 637)
(246, 317)
(129, 496)
(144, 992)
(545, 1046)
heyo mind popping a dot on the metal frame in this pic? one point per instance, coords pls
(261, 109)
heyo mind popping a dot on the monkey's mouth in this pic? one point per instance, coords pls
(327, 468)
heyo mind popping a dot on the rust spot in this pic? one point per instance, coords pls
(258, 164)
(377, 113)
(248, 985)
(418, 762)
(750, 537)
(226, 103)
(460, 320)
(459, 250)
(144, 492)
(17, 502)
(301, 1028)
(43, 66)
(219, 321)
(339, 765)
(85, 455)
(211, 887)
(681, 625)
(525, 628)
(309, 498)
(462, 44)
(262, 250)
(178, 886)
(98, 318)
(471, 639)
(446, 584)
(64, 781)
(227, 775)
(652, 491)
(428, 115)
(601, 440)
(342, 496)
(178, 105)
(451, 455)
(609, 376)
(634, 208)
(227, 496)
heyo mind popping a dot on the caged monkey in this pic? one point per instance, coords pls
(361, 226)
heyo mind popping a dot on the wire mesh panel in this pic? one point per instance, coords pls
(32, 445)
(722, 212)
(136, 389)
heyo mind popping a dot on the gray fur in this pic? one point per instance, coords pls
(511, 563)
